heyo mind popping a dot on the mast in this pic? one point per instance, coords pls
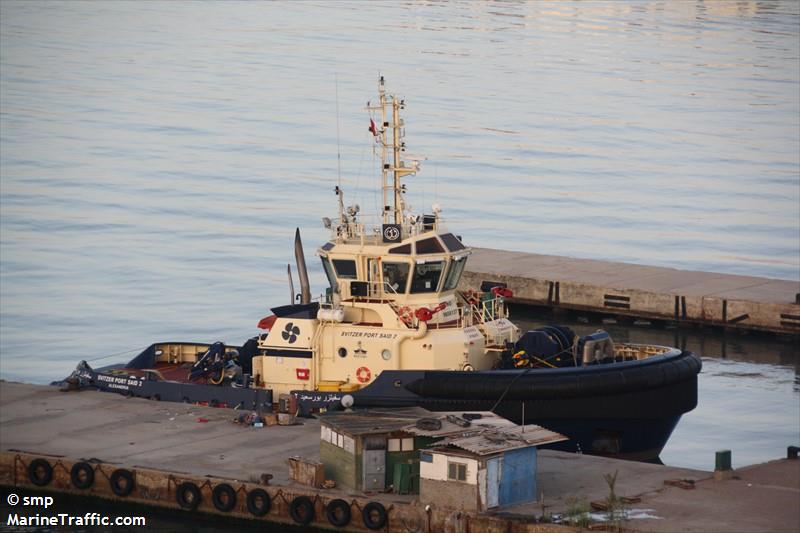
(393, 204)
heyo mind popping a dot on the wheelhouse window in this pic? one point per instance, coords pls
(395, 277)
(345, 268)
(452, 242)
(454, 274)
(429, 246)
(426, 277)
(331, 275)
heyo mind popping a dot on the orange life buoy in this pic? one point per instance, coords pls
(363, 374)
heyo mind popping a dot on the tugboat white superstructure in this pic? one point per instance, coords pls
(392, 302)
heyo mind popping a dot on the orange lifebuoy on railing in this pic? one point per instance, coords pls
(363, 374)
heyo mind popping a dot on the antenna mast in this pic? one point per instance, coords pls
(393, 204)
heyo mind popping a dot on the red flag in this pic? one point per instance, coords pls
(372, 127)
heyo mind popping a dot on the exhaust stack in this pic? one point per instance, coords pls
(302, 272)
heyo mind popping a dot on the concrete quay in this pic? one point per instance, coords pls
(624, 289)
(166, 444)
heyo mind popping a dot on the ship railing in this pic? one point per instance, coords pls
(368, 229)
(478, 313)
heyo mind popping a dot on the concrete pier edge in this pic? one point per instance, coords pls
(680, 296)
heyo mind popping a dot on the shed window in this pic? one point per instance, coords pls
(401, 445)
(457, 471)
(345, 268)
(426, 457)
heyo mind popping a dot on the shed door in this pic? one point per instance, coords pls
(374, 463)
(494, 468)
(518, 478)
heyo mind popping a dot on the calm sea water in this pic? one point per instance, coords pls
(156, 157)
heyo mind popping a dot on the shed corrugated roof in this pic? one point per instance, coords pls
(372, 421)
(484, 436)
(489, 441)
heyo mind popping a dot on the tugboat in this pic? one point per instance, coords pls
(393, 329)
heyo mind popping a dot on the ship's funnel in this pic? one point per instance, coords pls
(302, 272)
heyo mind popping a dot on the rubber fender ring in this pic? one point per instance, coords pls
(223, 497)
(302, 510)
(81, 475)
(338, 512)
(40, 472)
(374, 515)
(188, 496)
(121, 482)
(254, 497)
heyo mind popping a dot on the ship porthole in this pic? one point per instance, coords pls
(342, 352)
(386, 354)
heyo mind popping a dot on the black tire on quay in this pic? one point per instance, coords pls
(121, 482)
(81, 475)
(258, 502)
(374, 515)
(188, 496)
(338, 512)
(302, 510)
(223, 497)
(40, 472)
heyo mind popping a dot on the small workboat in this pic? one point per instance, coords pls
(396, 328)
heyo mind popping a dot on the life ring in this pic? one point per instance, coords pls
(374, 515)
(40, 472)
(224, 497)
(258, 502)
(121, 482)
(363, 374)
(338, 512)
(188, 496)
(302, 510)
(81, 475)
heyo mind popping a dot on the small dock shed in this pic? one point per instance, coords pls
(375, 449)
(370, 450)
(486, 469)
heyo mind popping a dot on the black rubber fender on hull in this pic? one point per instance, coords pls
(657, 372)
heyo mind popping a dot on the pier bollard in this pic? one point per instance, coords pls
(722, 465)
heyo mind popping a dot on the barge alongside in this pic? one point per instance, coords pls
(393, 330)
